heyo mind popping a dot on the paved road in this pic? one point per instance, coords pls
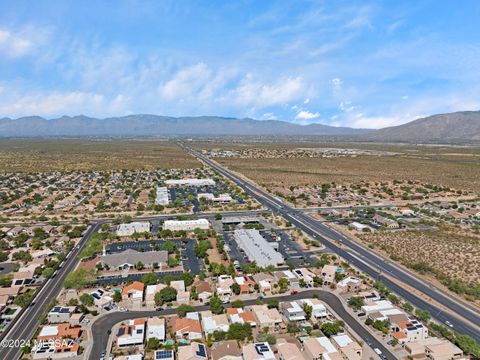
(101, 326)
(24, 327)
(365, 260)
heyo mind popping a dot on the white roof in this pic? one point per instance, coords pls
(327, 344)
(257, 248)
(49, 330)
(342, 340)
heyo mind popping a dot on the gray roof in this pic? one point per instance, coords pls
(132, 257)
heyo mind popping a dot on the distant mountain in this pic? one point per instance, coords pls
(154, 125)
(461, 126)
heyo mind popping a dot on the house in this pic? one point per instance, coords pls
(101, 298)
(304, 274)
(150, 292)
(257, 351)
(127, 259)
(188, 328)
(266, 317)
(156, 328)
(224, 291)
(288, 351)
(292, 311)
(350, 284)
(60, 314)
(358, 226)
(212, 323)
(133, 292)
(433, 349)
(286, 274)
(410, 331)
(57, 342)
(129, 357)
(131, 332)
(193, 351)
(204, 290)
(348, 347)
(128, 229)
(238, 315)
(320, 348)
(374, 306)
(265, 282)
(319, 311)
(183, 296)
(247, 284)
(328, 274)
(76, 319)
(225, 350)
(406, 211)
(386, 222)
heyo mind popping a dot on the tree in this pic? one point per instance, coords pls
(169, 246)
(293, 328)
(86, 299)
(47, 272)
(333, 328)
(201, 248)
(183, 309)
(235, 288)
(422, 315)
(356, 302)
(149, 279)
(408, 307)
(165, 295)
(117, 296)
(139, 265)
(273, 303)
(23, 300)
(308, 309)
(317, 281)
(238, 304)
(368, 321)
(216, 305)
(283, 284)
(3, 256)
(240, 332)
(153, 343)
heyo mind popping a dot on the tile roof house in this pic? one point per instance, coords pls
(320, 348)
(204, 290)
(266, 317)
(288, 351)
(186, 328)
(212, 323)
(247, 284)
(134, 291)
(193, 351)
(226, 350)
(238, 315)
(150, 292)
(257, 351)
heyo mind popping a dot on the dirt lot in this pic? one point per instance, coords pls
(449, 251)
(456, 168)
(66, 155)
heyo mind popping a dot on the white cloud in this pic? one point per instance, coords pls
(18, 43)
(186, 82)
(336, 84)
(269, 116)
(307, 115)
(61, 103)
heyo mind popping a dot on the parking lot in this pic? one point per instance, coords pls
(186, 246)
(291, 251)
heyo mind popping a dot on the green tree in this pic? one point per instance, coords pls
(86, 299)
(293, 328)
(47, 272)
(117, 296)
(149, 279)
(153, 343)
(183, 309)
(165, 295)
(216, 305)
(235, 288)
(422, 315)
(356, 302)
(283, 285)
(238, 304)
(240, 332)
(79, 278)
(333, 328)
(139, 265)
(273, 303)
(408, 307)
(308, 309)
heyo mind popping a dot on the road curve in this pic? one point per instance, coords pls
(101, 326)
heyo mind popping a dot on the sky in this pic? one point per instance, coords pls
(364, 64)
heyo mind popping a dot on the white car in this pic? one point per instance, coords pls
(449, 324)
(122, 309)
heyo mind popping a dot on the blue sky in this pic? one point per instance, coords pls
(350, 63)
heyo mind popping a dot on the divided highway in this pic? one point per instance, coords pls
(467, 320)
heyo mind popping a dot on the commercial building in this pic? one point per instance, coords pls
(257, 248)
(163, 197)
(222, 198)
(129, 258)
(186, 225)
(128, 229)
(190, 182)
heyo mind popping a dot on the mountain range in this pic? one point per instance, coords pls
(452, 127)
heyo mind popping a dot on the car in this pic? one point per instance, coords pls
(369, 342)
(449, 324)
(159, 309)
(293, 292)
(122, 309)
(378, 351)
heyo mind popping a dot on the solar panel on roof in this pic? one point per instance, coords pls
(201, 350)
(121, 331)
(163, 354)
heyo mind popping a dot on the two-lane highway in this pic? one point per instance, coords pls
(463, 317)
